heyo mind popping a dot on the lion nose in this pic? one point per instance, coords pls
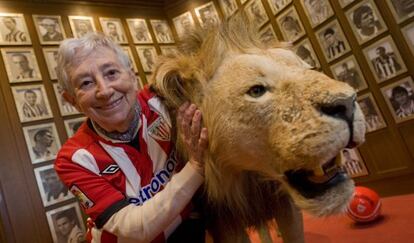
(342, 108)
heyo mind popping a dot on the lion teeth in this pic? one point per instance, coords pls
(339, 159)
(318, 171)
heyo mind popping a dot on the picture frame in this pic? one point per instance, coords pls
(21, 64)
(65, 108)
(141, 84)
(69, 215)
(169, 50)
(114, 29)
(31, 102)
(317, 11)
(400, 99)
(72, 125)
(42, 142)
(49, 29)
(128, 51)
(373, 117)
(13, 29)
(278, 5)
(349, 71)
(183, 24)
(400, 10)
(51, 189)
(333, 41)
(268, 35)
(408, 32)
(256, 13)
(290, 25)
(50, 54)
(147, 56)
(228, 7)
(384, 59)
(207, 15)
(366, 21)
(354, 165)
(139, 31)
(305, 51)
(81, 25)
(162, 31)
(344, 3)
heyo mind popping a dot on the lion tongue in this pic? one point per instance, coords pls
(325, 172)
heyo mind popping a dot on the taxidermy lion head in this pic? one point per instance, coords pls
(273, 124)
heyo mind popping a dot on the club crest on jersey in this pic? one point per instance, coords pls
(82, 198)
(160, 129)
(110, 170)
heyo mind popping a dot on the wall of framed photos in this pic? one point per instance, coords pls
(367, 43)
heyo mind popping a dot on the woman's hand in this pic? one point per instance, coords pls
(192, 134)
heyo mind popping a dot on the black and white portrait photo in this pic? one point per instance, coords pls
(66, 224)
(113, 28)
(128, 51)
(267, 34)
(384, 59)
(229, 7)
(183, 24)
(147, 56)
(139, 31)
(50, 54)
(168, 50)
(408, 32)
(400, 99)
(401, 9)
(31, 102)
(162, 31)
(305, 51)
(81, 25)
(348, 71)
(72, 125)
(42, 142)
(207, 14)
(256, 13)
(345, 3)
(278, 5)
(373, 116)
(290, 25)
(51, 189)
(21, 64)
(65, 107)
(366, 21)
(13, 29)
(317, 10)
(49, 29)
(333, 41)
(353, 163)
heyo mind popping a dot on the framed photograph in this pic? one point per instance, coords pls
(305, 51)
(51, 189)
(333, 41)
(162, 31)
(72, 125)
(354, 165)
(384, 59)
(42, 142)
(140, 83)
(268, 35)
(49, 28)
(229, 7)
(348, 71)
(81, 25)
(373, 117)
(148, 78)
(128, 51)
(183, 24)
(13, 29)
(65, 107)
(401, 9)
(408, 32)
(139, 31)
(256, 13)
(31, 102)
(147, 56)
(169, 50)
(50, 54)
(66, 224)
(317, 11)
(21, 64)
(345, 3)
(207, 14)
(400, 99)
(113, 28)
(290, 25)
(278, 5)
(366, 21)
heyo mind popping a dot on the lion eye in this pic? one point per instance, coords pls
(257, 91)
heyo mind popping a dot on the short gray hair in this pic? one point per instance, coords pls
(85, 45)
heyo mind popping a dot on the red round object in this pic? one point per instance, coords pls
(365, 205)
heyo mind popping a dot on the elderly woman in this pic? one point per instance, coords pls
(121, 163)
